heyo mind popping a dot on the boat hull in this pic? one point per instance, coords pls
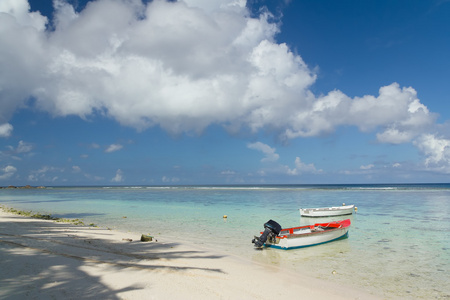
(307, 236)
(327, 211)
(302, 243)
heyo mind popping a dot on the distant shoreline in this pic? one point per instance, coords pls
(239, 185)
(323, 186)
(23, 187)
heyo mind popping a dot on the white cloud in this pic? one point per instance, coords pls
(6, 130)
(396, 111)
(113, 148)
(367, 167)
(44, 174)
(269, 152)
(20, 10)
(23, 40)
(166, 179)
(183, 66)
(43, 170)
(118, 177)
(7, 172)
(76, 169)
(211, 5)
(23, 147)
(302, 168)
(437, 152)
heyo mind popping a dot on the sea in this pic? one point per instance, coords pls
(398, 245)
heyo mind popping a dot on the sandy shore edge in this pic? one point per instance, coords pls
(43, 259)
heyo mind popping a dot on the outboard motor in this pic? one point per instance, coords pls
(271, 230)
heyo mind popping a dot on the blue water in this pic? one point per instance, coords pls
(398, 245)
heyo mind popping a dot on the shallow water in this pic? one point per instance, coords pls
(398, 245)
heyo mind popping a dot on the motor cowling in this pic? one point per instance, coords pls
(271, 230)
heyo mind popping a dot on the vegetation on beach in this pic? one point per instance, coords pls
(30, 214)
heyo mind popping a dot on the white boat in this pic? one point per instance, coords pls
(303, 236)
(327, 211)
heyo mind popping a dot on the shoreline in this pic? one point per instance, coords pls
(44, 258)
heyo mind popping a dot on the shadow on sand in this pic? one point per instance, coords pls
(44, 259)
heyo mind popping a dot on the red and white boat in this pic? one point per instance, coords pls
(299, 237)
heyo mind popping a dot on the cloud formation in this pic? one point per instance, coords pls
(118, 177)
(113, 148)
(269, 152)
(23, 147)
(437, 151)
(183, 66)
(302, 168)
(6, 130)
(45, 174)
(7, 172)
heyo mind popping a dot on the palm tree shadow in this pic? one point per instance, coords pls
(52, 260)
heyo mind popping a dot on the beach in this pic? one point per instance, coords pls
(44, 259)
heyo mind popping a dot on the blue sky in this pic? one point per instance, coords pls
(125, 92)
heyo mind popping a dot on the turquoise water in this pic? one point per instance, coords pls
(398, 245)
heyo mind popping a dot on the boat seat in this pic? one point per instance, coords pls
(302, 231)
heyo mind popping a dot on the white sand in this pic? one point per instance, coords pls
(48, 260)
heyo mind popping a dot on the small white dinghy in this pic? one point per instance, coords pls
(327, 211)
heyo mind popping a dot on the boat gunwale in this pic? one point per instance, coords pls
(332, 208)
(299, 235)
(326, 216)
